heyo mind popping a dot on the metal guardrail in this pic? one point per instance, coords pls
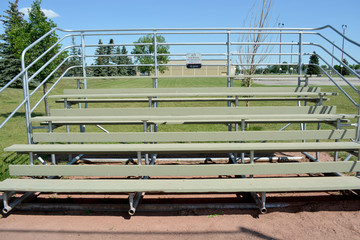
(227, 54)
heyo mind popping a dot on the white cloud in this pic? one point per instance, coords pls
(48, 12)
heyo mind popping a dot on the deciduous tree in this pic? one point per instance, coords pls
(149, 49)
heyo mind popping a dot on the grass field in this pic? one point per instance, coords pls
(15, 132)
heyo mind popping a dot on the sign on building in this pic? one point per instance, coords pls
(193, 60)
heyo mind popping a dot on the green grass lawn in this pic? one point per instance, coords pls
(15, 132)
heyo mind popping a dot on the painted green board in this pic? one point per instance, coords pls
(198, 118)
(195, 136)
(194, 111)
(182, 185)
(183, 147)
(193, 90)
(203, 99)
(204, 119)
(183, 170)
(214, 94)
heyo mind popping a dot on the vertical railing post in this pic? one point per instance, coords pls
(228, 53)
(300, 56)
(27, 106)
(83, 60)
(155, 80)
(229, 79)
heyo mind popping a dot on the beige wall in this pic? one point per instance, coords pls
(204, 70)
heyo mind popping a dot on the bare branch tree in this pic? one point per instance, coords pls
(259, 16)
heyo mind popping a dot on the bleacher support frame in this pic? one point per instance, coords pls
(82, 96)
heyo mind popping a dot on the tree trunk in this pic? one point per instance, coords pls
(47, 112)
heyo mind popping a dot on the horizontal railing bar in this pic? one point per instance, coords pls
(195, 76)
(52, 87)
(192, 33)
(266, 43)
(197, 29)
(119, 55)
(118, 45)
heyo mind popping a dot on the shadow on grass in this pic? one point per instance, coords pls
(11, 159)
(20, 114)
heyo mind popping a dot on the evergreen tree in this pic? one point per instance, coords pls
(74, 61)
(343, 69)
(10, 63)
(313, 69)
(149, 49)
(123, 60)
(100, 60)
(109, 50)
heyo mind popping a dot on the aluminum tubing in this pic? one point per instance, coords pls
(18, 201)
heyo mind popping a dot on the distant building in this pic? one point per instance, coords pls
(215, 68)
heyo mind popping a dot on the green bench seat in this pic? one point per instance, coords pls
(193, 99)
(181, 185)
(184, 147)
(219, 136)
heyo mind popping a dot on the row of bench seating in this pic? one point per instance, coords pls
(207, 143)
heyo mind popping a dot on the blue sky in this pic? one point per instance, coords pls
(112, 14)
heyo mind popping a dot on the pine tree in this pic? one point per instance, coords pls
(123, 60)
(10, 63)
(109, 50)
(313, 69)
(343, 69)
(100, 60)
(74, 61)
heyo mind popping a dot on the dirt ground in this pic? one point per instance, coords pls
(326, 215)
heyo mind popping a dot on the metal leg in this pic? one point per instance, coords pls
(9, 206)
(31, 157)
(53, 158)
(263, 209)
(317, 153)
(336, 154)
(260, 202)
(242, 129)
(131, 204)
(252, 161)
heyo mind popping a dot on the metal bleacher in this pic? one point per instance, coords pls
(153, 137)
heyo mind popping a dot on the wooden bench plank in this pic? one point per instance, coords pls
(184, 147)
(183, 185)
(183, 170)
(195, 136)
